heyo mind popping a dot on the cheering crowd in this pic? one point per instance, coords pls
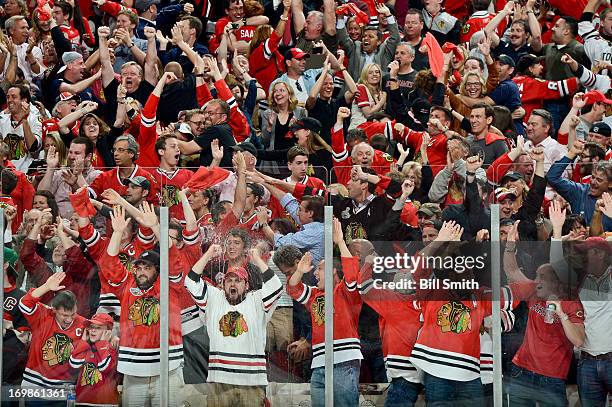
(245, 118)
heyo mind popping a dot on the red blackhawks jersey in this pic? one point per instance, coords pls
(436, 149)
(139, 350)
(52, 124)
(97, 378)
(534, 91)
(50, 348)
(347, 306)
(399, 325)
(265, 62)
(448, 345)
(169, 184)
(477, 22)
(96, 245)
(343, 163)
(111, 180)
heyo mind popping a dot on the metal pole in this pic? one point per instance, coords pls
(164, 306)
(2, 289)
(496, 314)
(329, 308)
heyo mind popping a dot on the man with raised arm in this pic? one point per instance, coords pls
(236, 321)
(139, 294)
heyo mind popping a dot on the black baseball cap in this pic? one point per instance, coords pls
(506, 60)
(148, 257)
(511, 176)
(600, 128)
(307, 123)
(526, 61)
(245, 146)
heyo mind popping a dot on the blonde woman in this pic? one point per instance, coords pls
(283, 111)
(370, 98)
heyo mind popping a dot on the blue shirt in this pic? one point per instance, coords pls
(578, 195)
(123, 53)
(309, 76)
(309, 239)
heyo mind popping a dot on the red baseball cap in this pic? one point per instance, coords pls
(296, 53)
(64, 96)
(100, 319)
(239, 271)
(595, 243)
(594, 96)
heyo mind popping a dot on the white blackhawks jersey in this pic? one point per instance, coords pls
(596, 47)
(237, 332)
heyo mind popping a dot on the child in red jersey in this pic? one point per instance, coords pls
(96, 358)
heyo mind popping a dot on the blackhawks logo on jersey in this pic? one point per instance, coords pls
(318, 310)
(454, 317)
(57, 349)
(169, 196)
(124, 259)
(91, 375)
(354, 231)
(16, 145)
(144, 311)
(233, 324)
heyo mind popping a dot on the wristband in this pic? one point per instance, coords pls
(284, 18)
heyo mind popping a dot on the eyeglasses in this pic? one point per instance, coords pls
(298, 86)
(197, 124)
(473, 85)
(120, 150)
(209, 113)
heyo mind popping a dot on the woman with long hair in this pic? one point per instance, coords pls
(371, 98)
(265, 62)
(15, 8)
(96, 129)
(282, 112)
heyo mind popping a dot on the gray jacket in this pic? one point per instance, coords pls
(383, 57)
(439, 187)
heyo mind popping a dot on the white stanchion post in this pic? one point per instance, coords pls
(164, 307)
(329, 308)
(496, 314)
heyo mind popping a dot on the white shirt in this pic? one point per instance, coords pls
(12, 134)
(596, 299)
(553, 151)
(23, 63)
